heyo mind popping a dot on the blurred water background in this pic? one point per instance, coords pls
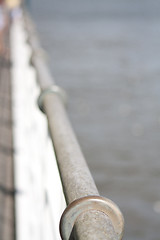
(106, 54)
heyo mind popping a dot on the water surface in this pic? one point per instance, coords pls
(106, 54)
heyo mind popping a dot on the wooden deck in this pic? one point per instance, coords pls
(7, 231)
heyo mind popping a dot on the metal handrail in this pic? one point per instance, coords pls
(96, 217)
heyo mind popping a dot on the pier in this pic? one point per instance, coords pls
(45, 181)
(7, 229)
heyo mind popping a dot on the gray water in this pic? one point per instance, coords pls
(106, 54)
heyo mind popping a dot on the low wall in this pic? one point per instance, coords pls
(39, 196)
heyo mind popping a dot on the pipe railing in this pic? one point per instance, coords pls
(88, 216)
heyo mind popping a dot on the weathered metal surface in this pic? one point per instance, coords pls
(76, 177)
(88, 204)
(94, 225)
(53, 89)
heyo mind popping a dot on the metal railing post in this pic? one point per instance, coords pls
(91, 216)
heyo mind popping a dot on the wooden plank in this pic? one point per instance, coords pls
(7, 230)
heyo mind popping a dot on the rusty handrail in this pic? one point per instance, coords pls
(96, 217)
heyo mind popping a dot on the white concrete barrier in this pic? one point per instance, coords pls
(39, 195)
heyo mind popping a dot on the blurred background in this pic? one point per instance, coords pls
(106, 54)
